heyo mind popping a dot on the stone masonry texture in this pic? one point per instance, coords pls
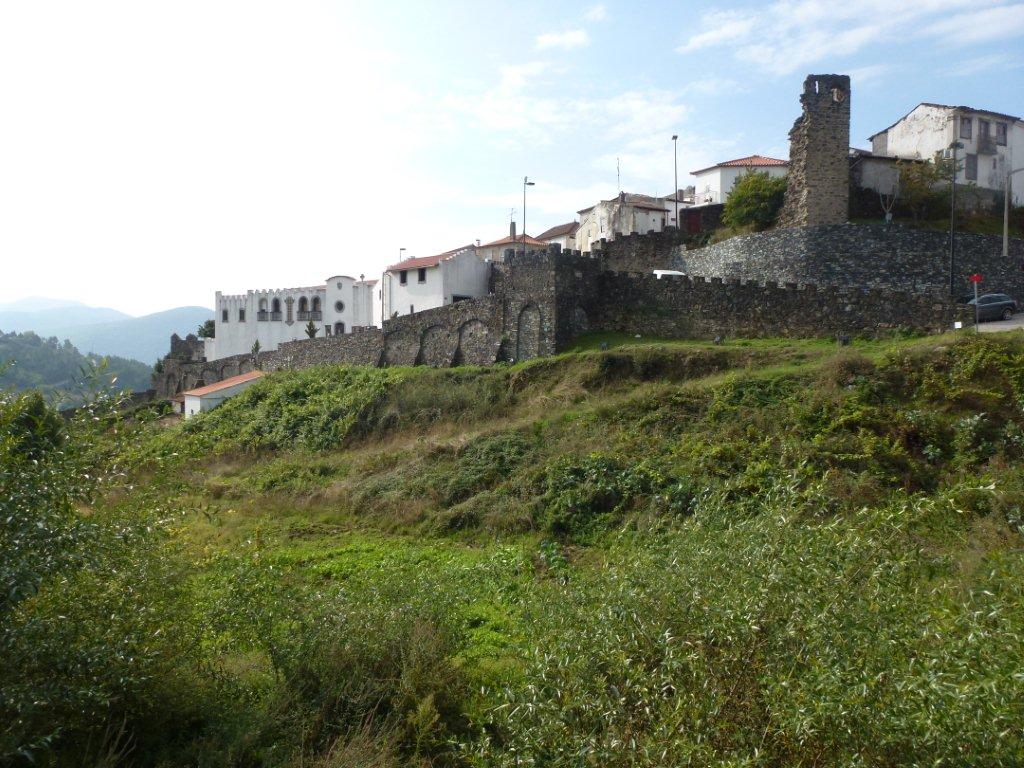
(819, 145)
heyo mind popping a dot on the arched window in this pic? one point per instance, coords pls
(275, 309)
(303, 304)
(339, 329)
(261, 312)
(316, 303)
(263, 305)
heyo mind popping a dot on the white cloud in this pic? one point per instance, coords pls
(861, 76)
(713, 86)
(789, 35)
(1000, 61)
(574, 38)
(596, 13)
(980, 26)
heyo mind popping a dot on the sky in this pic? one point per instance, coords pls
(152, 153)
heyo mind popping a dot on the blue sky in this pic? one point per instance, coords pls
(152, 153)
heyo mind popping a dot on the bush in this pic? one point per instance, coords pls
(755, 200)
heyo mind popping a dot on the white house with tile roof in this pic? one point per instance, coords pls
(993, 142)
(622, 215)
(714, 183)
(425, 282)
(209, 397)
(273, 316)
(563, 235)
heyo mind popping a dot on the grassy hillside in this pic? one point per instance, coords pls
(764, 553)
(57, 369)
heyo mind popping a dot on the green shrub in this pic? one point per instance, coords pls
(755, 200)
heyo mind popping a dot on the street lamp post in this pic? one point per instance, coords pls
(952, 220)
(675, 174)
(526, 183)
(1006, 212)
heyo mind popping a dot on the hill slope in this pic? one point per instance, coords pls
(55, 368)
(105, 331)
(751, 554)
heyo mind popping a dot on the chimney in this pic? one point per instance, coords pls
(512, 230)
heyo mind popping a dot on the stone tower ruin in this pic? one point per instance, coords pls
(819, 144)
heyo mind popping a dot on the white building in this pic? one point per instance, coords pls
(563, 235)
(209, 397)
(622, 215)
(283, 314)
(993, 143)
(425, 282)
(714, 183)
(495, 250)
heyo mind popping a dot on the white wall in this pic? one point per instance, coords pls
(198, 404)
(235, 336)
(462, 274)
(929, 130)
(715, 184)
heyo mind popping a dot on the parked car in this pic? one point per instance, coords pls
(995, 306)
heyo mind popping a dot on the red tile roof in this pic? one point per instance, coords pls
(559, 231)
(230, 382)
(517, 240)
(753, 161)
(427, 261)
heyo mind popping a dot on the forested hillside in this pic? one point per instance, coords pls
(57, 368)
(751, 554)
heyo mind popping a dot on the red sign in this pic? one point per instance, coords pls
(975, 278)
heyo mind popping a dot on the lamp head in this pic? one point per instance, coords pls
(674, 137)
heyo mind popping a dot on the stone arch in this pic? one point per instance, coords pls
(528, 333)
(401, 347)
(435, 347)
(474, 344)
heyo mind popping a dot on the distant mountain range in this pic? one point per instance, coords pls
(101, 330)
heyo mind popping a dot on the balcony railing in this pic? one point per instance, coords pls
(275, 315)
(986, 145)
(262, 315)
(311, 315)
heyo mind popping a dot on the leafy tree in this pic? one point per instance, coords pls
(311, 329)
(206, 330)
(923, 187)
(755, 200)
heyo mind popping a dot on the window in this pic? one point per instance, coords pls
(971, 167)
(316, 304)
(1001, 134)
(275, 305)
(966, 124)
(241, 315)
(421, 275)
(339, 329)
(303, 304)
(327, 330)
(223, 315)
(984, 129)
(339, 306)
(403, 277)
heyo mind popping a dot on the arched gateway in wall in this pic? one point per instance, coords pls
(528, 333)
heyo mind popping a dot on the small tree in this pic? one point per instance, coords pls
(206, 330)
(921, 187)
(311, 329)
(755, 200)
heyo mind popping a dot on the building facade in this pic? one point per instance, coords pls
(277, 315)
(716, 182)
(993, 143)
(426, 282)
(623, 215)
(564, 235)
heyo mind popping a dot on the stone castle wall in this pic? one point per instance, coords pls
(819, 145)
(868, 256)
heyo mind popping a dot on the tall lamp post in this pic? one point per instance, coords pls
(1006, 212)
(952, 220)
(526, 183)
(675, 174)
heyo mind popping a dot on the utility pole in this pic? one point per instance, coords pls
(952, 218)
(675, 175)
(1006, 212)
(526, 183)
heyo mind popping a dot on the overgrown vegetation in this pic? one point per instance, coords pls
(53, 368)
(760, 553)
(755, 200)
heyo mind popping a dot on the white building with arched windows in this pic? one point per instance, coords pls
(283, 314)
